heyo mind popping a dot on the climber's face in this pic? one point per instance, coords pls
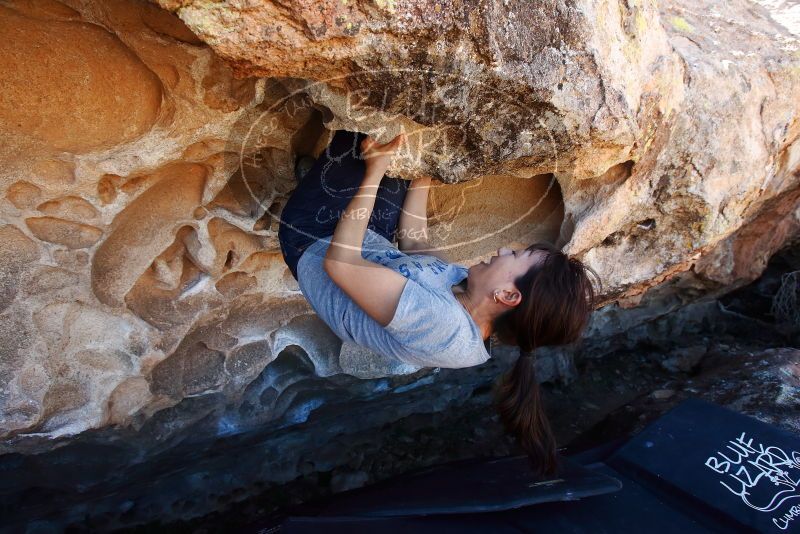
(497, 275)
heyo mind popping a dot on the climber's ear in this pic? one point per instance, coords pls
(509, 296)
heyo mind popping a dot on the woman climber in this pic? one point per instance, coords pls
(407, 301)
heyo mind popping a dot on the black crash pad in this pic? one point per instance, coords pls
(470, 487)
(699, 468)
(632, 510)
(734, 469)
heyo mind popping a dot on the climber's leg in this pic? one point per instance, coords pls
(314, 207)
(388, 206)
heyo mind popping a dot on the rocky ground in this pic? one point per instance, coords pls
(743, 360)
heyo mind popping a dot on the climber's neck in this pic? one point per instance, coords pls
(479, 312)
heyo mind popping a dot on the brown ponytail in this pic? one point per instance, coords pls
(557, 299)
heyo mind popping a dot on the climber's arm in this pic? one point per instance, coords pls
(412, 229)
(375, 288)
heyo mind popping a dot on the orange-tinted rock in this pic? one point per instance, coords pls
(107, 188)
(24, 195)
(163, 295)
(46, 9)
(744, 255)
(93, 93)
(223, 91)
(232, 244)
(54, 173)
(144, 228)
(167, 24)
(248, 191)
(523, 211)
(69, 207)
(203, 149)
(236, 283)
(137, 183)
(68, 233)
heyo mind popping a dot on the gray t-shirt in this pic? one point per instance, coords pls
(430, 327)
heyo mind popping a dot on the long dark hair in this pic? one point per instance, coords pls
(557, 300)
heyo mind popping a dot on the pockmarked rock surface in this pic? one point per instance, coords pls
(149, 147)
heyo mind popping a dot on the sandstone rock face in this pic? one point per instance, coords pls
(665, 130)
(95, 92)
(148, 152)
(116, 119)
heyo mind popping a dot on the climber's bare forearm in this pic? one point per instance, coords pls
(422, 247)
(373, 287)
(412, 228)
(352, 226)
(412, 231)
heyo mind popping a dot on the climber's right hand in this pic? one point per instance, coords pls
(378, 157)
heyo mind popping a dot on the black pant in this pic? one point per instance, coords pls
(314, 207)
